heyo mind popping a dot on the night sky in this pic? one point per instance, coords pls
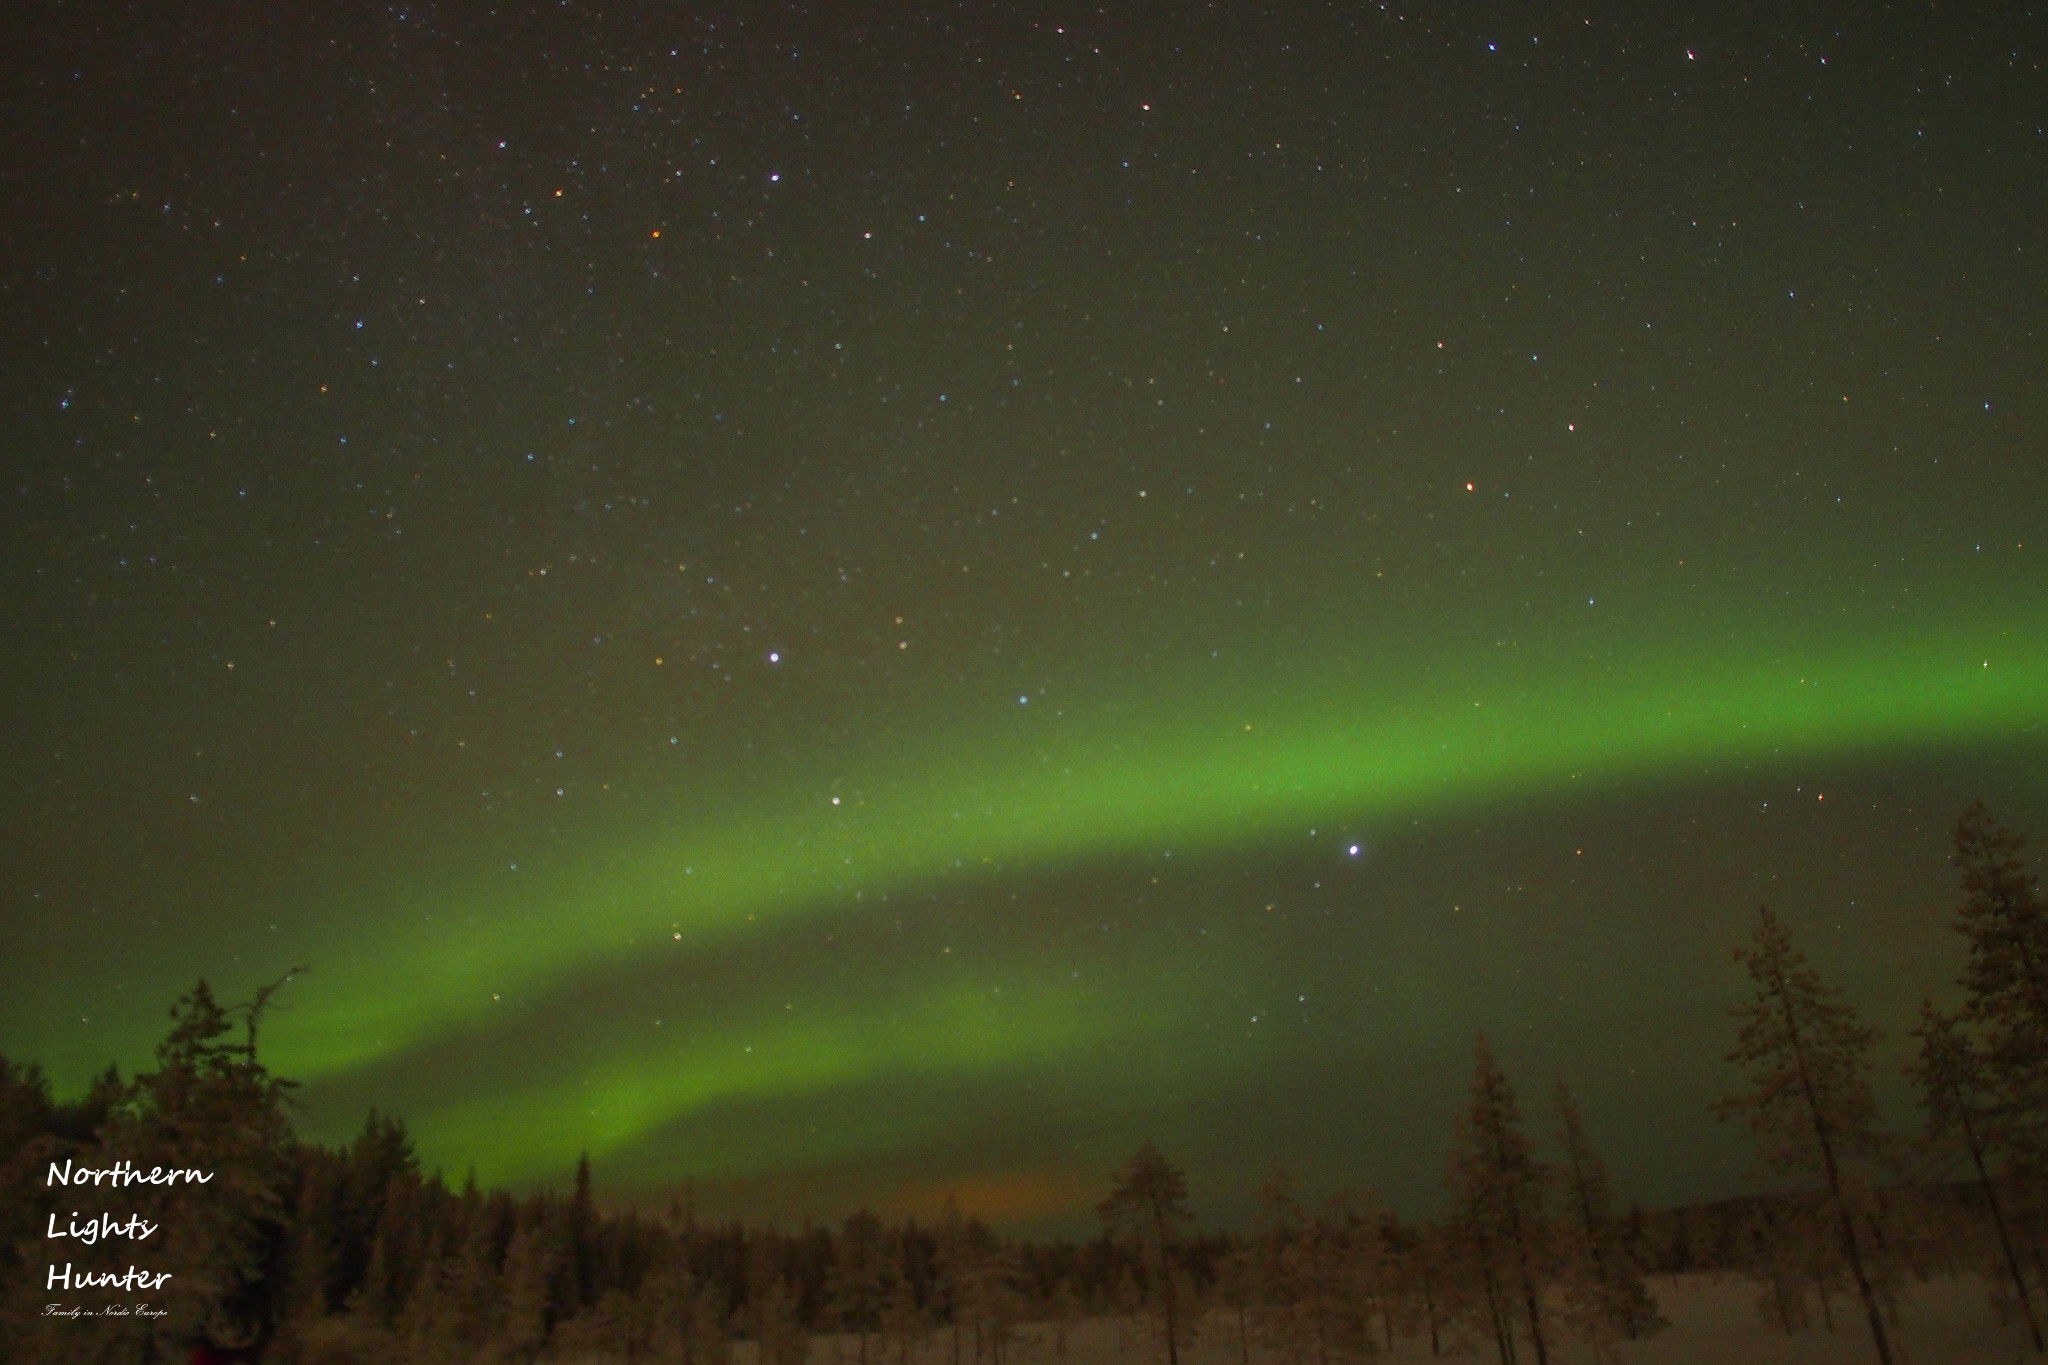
(846, 602)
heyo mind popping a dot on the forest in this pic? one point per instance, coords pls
(293, 1252)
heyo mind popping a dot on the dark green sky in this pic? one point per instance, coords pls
(846, 603)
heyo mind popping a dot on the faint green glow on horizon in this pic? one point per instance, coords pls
(933, 1032)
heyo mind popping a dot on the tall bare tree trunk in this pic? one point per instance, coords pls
(1530, 1296)
(2012, 1259)
(1850, 1246)
(1166, 1288)
(1429, 1308)
(1503, 1329)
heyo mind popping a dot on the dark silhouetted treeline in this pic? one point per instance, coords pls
(306, 1255)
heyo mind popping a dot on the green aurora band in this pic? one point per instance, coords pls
(939, 1032)
(1207, 777)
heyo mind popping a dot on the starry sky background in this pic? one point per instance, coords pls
(847, 602)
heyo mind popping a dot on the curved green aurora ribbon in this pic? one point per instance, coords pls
(1223, 773)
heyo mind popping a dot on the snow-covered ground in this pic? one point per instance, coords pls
(1714, 1321)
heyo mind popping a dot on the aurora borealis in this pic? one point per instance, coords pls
(848, 605)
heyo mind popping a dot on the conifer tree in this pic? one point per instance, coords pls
(1956, 1095)
(395, 1248)
(694, 1322)
(621, 1326)
(1442, 1300)
(904, 1322)
(1148, 1205)
(1497, 1193)
(993, 1301)
(1604, 1288)
(1063, 1308)
(582, 1247)
(525, 1314)
(1772, 1256)
(859, 1279)
(431, 1323)
(1809, 1102)
(2006, 922)
(1334, 1269)
(379, 1161)
(314, 1230)
(1236, 1283)
(472, 1271)
(1386, 1251)
(26, 1144)
(951, 1267)
(1278, 1286)
(773, 1312)
(778, 1328)
(210, 1106)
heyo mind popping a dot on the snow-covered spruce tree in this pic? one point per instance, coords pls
(994, 1301)
(34, 1131)
(208, 1107)
(1385, 1247)
(1344, 1268)
(524, 1317)
(1237, 1279)
(1962, 1117)
(620, 1327)
(1442, 1302)
(2006, 922)
(1497, 1196)
(693, 1329)
(581, 1285)
(1604, 1292)
(1317, 1286)
(775, 1317)
(1308, 1282)
(1773, 1258)
(1147, 1207)
(1278, 1261)
(1809, 1101)
(859, 1279)
(906, 1326)
(952, 1253)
